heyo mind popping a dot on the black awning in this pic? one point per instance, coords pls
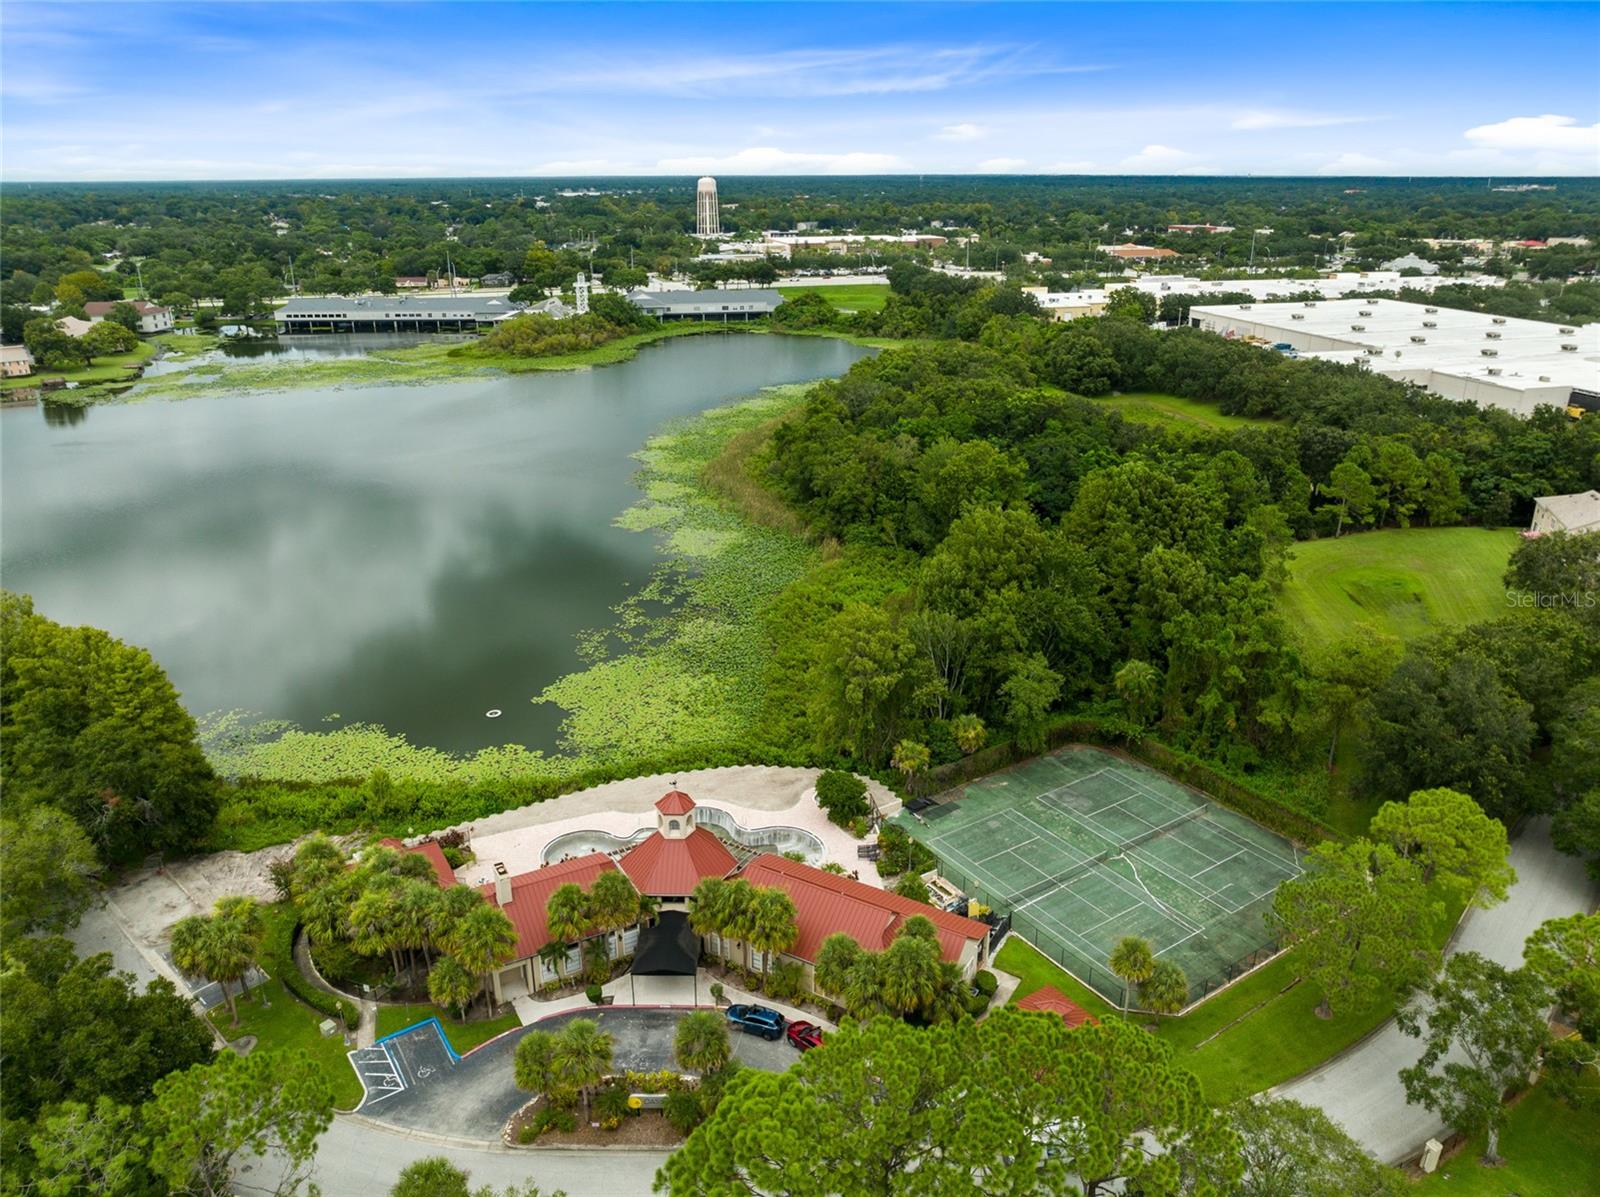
(670, 948)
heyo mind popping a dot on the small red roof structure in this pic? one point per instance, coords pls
(675, 802)
(430, 851)
(666, 867)
(530, 894)
(826, 903)
(1051, 1000)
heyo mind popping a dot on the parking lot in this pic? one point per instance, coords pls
(413, 1080)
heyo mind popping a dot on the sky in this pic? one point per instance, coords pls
(375, 90)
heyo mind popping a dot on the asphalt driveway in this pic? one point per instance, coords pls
(415, 1082)
(1361, 1089)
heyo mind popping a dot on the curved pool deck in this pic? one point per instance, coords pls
(757, 797)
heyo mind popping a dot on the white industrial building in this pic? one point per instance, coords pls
(1495, 361)
(1576, 514)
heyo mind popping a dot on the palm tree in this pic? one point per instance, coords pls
(449, 908)
(708, 907)
(969, 733)
(910, 758)
(1138, 684)
(535, 1065)
(1166, 990)
(861, 991)
(191, 949)
(909, 973)
(738, 896)
(1133, 961)
(835, 958)
(648, 908)
(919, 926)
(566, 914)
(325, 910)
(483, 940)
(451, 986)
(614, 904)
(317, 861)
(413, 916)
(582, 1057)
(553, 956)
(220, 947)
(772, 926)
(701, 1042)
(373, 925)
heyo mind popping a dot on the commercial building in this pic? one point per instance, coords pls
(407, 313)
(1199, 228)
(1495, 361)
(715, 304)
(1577, 513)
(783, 244)
(707, 216)
(1128, 251)
(152, 317)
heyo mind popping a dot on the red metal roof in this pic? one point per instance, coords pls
(102, 307)
(668, 868)
(1052, 1001)
(430, 851)
(675, 802)
(530, 893)
(826, 904)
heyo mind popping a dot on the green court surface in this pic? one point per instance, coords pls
(1082, 848)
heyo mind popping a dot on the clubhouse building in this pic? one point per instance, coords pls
(666, 864)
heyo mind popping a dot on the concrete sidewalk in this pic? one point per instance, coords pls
(1361, 1089)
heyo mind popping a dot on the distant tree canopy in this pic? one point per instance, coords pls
(92, 726)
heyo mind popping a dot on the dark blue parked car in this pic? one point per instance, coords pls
(756, 1020)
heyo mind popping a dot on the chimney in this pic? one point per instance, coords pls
(502, 884)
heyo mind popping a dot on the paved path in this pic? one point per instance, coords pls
(1361, 1089)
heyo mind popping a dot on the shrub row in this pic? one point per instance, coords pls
(278, 958)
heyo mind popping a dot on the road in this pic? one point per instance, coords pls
(1361, 1089)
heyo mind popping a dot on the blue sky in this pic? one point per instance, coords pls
(303, 90)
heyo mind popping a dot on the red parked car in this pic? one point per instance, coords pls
(804, 1036)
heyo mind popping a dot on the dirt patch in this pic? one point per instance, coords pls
(648, 1128)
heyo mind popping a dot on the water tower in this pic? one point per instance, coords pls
(707, 216)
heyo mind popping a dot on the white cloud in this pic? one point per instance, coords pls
(1284, 119)
(1562, 134)
(965, 131)
(768, 160)
(1355, 164)
(1158, 158)
(1002, 166)
(1072, 168)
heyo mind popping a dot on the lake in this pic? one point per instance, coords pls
(406, 555)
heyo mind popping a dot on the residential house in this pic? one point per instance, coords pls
(15, 361)
(1566, 513)
(152, 317)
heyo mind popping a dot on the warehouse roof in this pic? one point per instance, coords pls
(384, 307)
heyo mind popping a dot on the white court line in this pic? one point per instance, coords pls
(1213, 896)
(1013, 848)
(1217, 863)
(1158, 903)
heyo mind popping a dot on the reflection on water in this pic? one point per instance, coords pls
(63, 415)
(408, 555)
(311, 348)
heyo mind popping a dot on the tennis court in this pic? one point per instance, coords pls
(1082, 848)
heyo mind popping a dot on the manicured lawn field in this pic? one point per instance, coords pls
(278, 1020)
(849, 297)
(1547, 1147)
(1173, 411)
(463, 1036)
(117, 367)
(1272, 1032)
(1408, 582)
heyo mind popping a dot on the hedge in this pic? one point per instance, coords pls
(278, 957)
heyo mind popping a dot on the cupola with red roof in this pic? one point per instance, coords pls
(673, 860)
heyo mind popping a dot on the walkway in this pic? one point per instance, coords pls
(1361, 1089)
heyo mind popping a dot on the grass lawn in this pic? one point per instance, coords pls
(1408, 582)
(277, 1019)
(463, 1036)
(1277, 1035)
(847, 297)
(1173, 411)
(118, 367)
(1546, 1145)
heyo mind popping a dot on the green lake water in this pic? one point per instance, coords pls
(413, 556)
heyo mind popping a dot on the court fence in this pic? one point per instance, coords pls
(1097, 975)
